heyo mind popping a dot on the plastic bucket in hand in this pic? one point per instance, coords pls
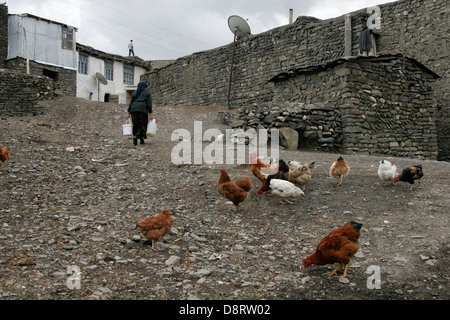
(127, 129)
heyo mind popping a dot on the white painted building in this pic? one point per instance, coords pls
(121, 73)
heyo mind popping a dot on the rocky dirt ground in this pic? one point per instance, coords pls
(75, 187)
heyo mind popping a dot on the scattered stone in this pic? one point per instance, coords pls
(53, 213)
(289, 138)
(198, 238)
(26, 262)
(172, 261)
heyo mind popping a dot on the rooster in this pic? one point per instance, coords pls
(235, 191)
(261, 170)
(387, 171)
(4, 155)
(339, 170)
(339, 246)
(410, 174)
(154, 228)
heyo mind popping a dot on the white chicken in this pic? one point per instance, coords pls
(387, 171)
(284, 189)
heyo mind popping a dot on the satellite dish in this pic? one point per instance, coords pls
(101, 78)
(239, 26)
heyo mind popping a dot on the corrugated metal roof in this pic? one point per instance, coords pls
(44, 19)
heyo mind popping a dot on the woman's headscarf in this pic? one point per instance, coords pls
(141, 87)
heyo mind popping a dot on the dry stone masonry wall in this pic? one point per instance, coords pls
(3, 34)
(19, 93)
(377, 105)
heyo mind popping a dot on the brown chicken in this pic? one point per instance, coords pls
(261, 170)
(235, 191)
(338, 246)
(339, 170)
(154, 228)
(4, 155)
(300, 175)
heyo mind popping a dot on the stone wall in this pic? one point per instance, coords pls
(20, 92)
(318, 125)
(3, 34)
(420, 29)
(65, 80)
(416, 28)
(389, 109)
(372, 105)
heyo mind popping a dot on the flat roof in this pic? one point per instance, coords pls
(326, 65)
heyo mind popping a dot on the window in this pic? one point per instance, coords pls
(128, 74)
(50, 73)
(82, 64)
(109, 72)
(67, 38)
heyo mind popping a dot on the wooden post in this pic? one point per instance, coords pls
(231, 69)
(348, 36)
(26, 48)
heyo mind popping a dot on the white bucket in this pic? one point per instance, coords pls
(127, 129)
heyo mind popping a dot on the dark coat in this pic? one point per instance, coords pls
(141, 102)
(365, 43)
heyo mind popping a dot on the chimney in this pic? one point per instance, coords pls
(291, 14)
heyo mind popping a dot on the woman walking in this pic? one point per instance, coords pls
(140, 109)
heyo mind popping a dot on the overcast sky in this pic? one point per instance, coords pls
(169, 29)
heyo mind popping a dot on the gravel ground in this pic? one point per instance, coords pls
(75, 187)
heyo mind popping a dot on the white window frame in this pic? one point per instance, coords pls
(109, 70)
(128, 74)
(83, 63)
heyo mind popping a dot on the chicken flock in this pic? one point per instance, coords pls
(285, 180)
(288, 180)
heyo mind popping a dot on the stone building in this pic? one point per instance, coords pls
(382, 105)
